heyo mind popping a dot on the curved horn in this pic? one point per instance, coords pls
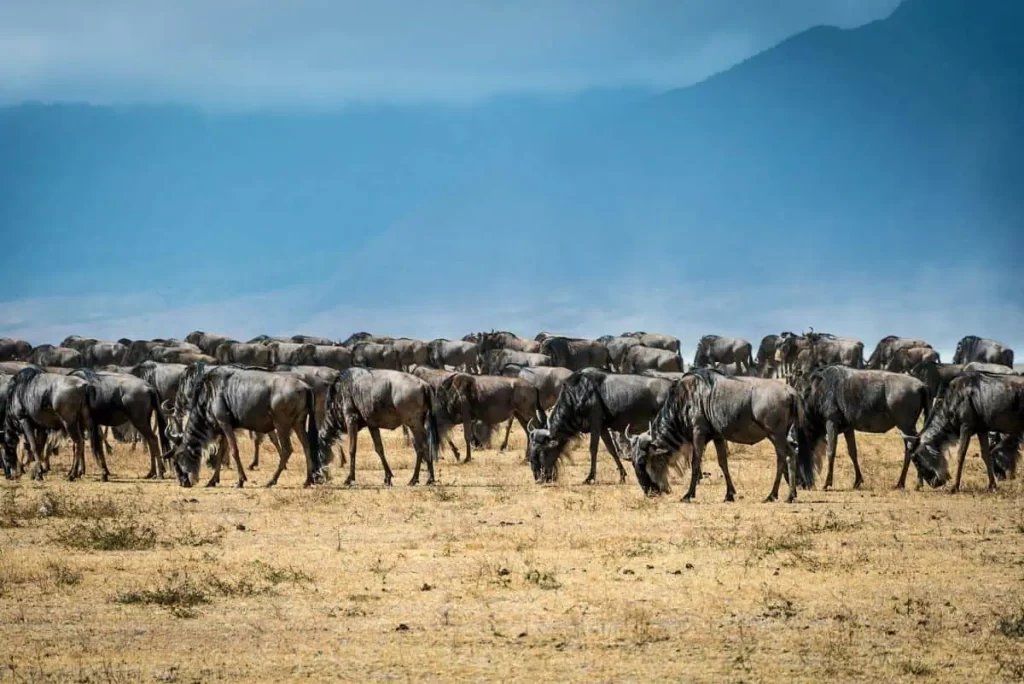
(650, 427)
(628, 436)
(529, 426)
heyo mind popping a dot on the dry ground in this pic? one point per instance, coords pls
(489, 576)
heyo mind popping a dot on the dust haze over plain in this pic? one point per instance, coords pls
(261, 167)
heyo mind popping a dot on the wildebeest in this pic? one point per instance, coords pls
(906, 359)
(338, 358)
(410, 352)
(15, 367)
(593, 401)
(547, 380)
(887, 346)
(293, 353)
(489, 399)
(312, 339)
(936, 377)
(225, 398)
(714, 350)
(457, 354)
(179, 355)
(117, 398)
(381, 399)
(103, 353)
(493, 361)
(575, 354)
(617, 348)
(502, 339)
(165, 351)
(765, 362)
(655, 340)
(207, 342)
(246, 354)
(788, 349)
(639, 359)
(356, 338)
(976, 403)
(14, 350)
(996, 368)
(38, 402)
(842, 400)
(375, 355)
(708, 406)
(974, 348)
(827, 350)
(319, 378)
(60, 357)
(435, 377)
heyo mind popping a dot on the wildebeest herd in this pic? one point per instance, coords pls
(631, 392)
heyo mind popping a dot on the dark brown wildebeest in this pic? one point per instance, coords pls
(595, 402)
(887, 346)
(38, 402)
(376, 400)
(974, 348)
(246, 354)
(841, 400)
(410, 352)
(575, 354)
(707, 406)
(490, 399)
(976, 403)
(59, 357)
(765, 362)
(904, 360)
(714, 350)
(639, 359)
(14, 350)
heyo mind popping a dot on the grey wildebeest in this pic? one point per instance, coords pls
(575, 354)
(827, 350)
(434, 377)
(356, 338)
(936, 377)
(102, 353)
(492, 362)
(293, 353)
(976, 403)
(338, 358)
(708, 406)
(502, 339)
(457, 354)
(60, 357)
(714, 350)
(887, 346)
(375, 355)
(904, 360)
(38, 402)
(788, 349)
(841, 400)
(225, 398)
(14, 350)
(117, 398)
(765, 362)
(974, 348)
(319, 378)
(639, 359)
(656, 340)
(617, 348)
(593, 401)
(410, 352)
(996, 368)
(207, 342)
(246, 354)
(489, 399)
(312, 339)
(376, 400)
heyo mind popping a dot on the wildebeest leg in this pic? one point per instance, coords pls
(780, 471)
(508, 430)
(723, 462)
(455, 449)
(418, 441)
(609, 444)
(36, 446)
(699, 442)
(965, 439)
(851, 448)
(232, 441)
(595, 440)
(353, 438)
(257, 439)
(787, 455)
(378, 446)
(284, 439)
(77, 432)
(830, 437)
(156, 464)
(986, 456)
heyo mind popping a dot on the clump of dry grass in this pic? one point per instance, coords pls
(125, 534)
(177, 592)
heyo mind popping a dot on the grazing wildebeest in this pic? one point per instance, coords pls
(489, 399)
(502, 339)
(974, 348)
(312, 339)
(117, 399)
(656, 340)
(828, 350)
(575, 354)
(617, 348)
(376, 400)
(207, 342)
(375, 355)
(356, 338)
(410, 352)
(38, 402)
(338, 358)
(887, 346)
(457, 354)
(713, 350)
(225, 398)
(59, 357)
(545, 379)
(842, 400)
(319, 378)
(906, 359)
(936, 377)
(493, 361)
(246, 354)
(593, 401)
(639, 359)
(976, 403)
(707, 406)
(293, 353)
(765, 362)
(14, 350)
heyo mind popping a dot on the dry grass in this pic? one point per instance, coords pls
(492, 577)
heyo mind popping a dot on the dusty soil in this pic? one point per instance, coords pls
(489, 576)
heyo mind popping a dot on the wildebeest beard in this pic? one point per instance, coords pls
(570, 416)
(200, 430)
(929, 449)
(665, 445)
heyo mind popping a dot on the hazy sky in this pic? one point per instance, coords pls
(324, 52)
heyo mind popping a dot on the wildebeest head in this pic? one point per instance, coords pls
(928, 450)
(544, 450)
(650, 463)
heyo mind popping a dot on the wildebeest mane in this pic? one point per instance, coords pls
(965, 348)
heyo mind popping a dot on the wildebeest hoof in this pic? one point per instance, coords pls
(412, 483)
(270, 484)
(211, 483)
(687, 499)
(771, 498)
(239, 484)
(590, 479)
(254, 466)
(791, 498)
(149, 476)
(730, 498)
(622, 478)
(105, 477)
(858, 484)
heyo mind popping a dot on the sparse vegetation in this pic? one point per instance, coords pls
(125, 534)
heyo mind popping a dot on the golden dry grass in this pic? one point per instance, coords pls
(489, 576)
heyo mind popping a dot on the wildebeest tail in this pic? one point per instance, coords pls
(926, 401)
(541, 416)
(1005, 454)
(161, 422)
(330, 427)
(312, 434)
(433, 432)
(808, 459)
(95, 438)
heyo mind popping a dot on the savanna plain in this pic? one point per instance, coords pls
(489, 576)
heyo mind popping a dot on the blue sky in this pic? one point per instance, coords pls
(429, 169)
